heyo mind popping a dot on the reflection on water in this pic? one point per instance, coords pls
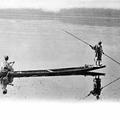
(36, 44)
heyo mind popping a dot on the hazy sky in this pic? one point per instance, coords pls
(58, 4)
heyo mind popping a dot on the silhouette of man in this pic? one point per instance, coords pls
(98, 53)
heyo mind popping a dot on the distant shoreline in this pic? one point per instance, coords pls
(84, 16)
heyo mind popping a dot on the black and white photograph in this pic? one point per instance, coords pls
(60, 50)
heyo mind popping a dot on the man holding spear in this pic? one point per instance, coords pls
(98, 53)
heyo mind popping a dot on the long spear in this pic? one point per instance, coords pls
(90, 46)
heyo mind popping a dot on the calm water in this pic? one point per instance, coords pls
(41, 44)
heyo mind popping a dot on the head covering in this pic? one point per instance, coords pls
(6, 58)
(100, 43)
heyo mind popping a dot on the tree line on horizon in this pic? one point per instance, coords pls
(77, 12)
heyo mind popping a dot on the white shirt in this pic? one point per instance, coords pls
(4, 65)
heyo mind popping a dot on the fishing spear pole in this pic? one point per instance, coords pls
(111, 58)
(110, 83)
(90, 46)
(77, 37)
